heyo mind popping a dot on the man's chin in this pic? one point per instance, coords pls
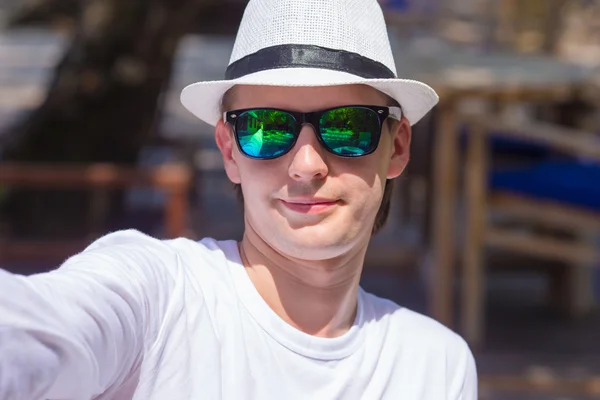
(314, 244)
(310, 238)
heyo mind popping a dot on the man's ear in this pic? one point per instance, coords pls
(401, 133)
(226, 143)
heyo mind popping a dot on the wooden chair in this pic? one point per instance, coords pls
(173, 179)
(535, 194)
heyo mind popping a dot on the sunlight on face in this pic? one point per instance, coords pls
(311, 204)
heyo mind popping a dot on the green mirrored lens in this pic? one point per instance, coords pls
(265, 133)
(350, 131)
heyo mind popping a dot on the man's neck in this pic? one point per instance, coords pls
(316, 297)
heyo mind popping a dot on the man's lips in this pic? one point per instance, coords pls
(310, 205)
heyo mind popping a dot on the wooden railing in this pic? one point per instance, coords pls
(174, 180)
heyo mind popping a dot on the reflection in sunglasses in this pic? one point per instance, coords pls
(253, 143)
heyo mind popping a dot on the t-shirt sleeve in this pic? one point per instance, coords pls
(470, 383)
(97, 312)
(464, 384)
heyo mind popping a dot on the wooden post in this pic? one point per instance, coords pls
(176, 212)
(178, 180)
(444, 208)
(552, 26)
(473, 293)
(581, 280)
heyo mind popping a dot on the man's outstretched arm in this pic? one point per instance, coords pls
(77, 331)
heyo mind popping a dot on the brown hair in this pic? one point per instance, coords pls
(386, 201)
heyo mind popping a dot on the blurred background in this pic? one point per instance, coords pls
(494, 226)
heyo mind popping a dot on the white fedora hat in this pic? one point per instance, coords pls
(311, 43)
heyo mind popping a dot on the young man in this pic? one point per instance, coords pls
(312, 124)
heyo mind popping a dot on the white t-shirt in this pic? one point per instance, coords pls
(133, 317)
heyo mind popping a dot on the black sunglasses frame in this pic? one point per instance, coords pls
(313, 118)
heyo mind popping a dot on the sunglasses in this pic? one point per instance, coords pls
(348, 131)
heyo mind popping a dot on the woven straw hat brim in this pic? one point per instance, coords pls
(203, 99)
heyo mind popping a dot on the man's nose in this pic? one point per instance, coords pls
(308, 161)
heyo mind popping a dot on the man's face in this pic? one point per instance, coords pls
(310, 204)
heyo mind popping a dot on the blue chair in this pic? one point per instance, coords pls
(574, 183)
(502, 144)
(557, 194)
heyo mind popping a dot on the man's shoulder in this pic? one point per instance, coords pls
(128, 245)
(122, 238)
(426, 350)
(414, 327)
(132, 238)
(134, 246)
